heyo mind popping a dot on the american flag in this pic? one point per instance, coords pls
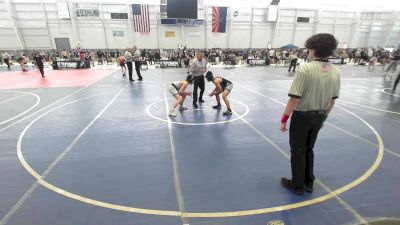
(141, 18)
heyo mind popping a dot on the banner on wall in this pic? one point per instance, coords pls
(169, 33)
(200, 10)
(195, 22)
(86, 10)
(163, 9)
(163, 12)
(186, 22)
(219, 19)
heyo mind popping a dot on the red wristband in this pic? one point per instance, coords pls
(284, 118)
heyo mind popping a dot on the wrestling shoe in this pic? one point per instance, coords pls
(181, 107)
(227, 113)
(172, 113)
(216, 107)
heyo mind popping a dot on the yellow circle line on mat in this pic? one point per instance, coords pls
(80, 198)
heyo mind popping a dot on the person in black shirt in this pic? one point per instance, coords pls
(394, 61)
(396, 82)
(143, 53)
(6, 58)
(112, 56)
(23, 61)
(293, 62)
(157, 56)
(223, 86)
(39, 63)
(99, 56)
(151, 57)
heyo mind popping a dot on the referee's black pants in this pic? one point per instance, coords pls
(293, 63)
(396, 82)
(198, 83)
(41, 69)
(7, 61)
(137, 68)
(303, 132)
(129, 64)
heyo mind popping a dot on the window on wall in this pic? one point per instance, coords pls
(119, 16)
(303, 19)
(118, 33)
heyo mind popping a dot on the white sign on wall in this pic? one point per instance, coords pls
(63, 11)
(272, 13)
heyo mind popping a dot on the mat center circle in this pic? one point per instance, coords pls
(204, 115)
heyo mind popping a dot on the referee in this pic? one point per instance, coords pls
(312, 96)
(39, 62)
(129, 59)
(198, 66)
(138, 63)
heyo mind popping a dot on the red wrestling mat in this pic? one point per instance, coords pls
(54, 78)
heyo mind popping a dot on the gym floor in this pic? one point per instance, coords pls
(87, 147)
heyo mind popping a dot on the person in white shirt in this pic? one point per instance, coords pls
(64, 54)
(136, 58)
(23, 61)
(129, 59)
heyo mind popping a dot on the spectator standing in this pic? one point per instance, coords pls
(6, 57)
(39, 63)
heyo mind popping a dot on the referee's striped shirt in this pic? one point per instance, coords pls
(315, 84)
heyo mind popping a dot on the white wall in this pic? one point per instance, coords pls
(34, 24)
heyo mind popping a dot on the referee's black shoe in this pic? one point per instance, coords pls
(288, 185)
(195, 106)
(309, 187)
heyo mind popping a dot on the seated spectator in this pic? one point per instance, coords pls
(23, 60)
(64, 54)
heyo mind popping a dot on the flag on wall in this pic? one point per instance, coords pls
(219, 19)
(141, 20)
